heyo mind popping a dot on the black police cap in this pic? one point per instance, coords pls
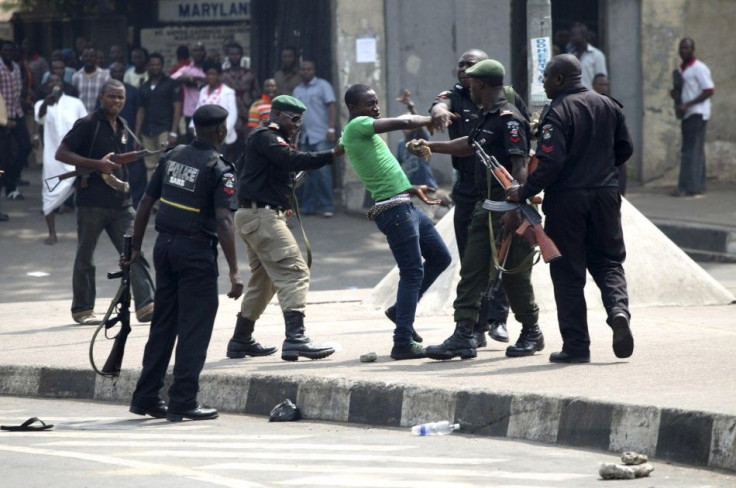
(208, 115)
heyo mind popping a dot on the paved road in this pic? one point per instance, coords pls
(349, 253)
(102, 445)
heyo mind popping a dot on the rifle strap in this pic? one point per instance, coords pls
(530, 260)
(295, 203)
(132, 135)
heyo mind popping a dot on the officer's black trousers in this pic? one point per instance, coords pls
(586, 226)
(185, 306)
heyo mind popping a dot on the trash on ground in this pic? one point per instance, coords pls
(368, 357)
(285, 411)
(33, 424)
(442, 427)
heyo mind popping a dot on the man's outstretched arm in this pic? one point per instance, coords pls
(404, 122)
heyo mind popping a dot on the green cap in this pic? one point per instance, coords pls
(488, 69)
(288, 103)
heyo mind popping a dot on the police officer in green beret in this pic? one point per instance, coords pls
(503, 132)
(196, 187)
(266, 192)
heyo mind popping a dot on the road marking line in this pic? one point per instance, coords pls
(407, 470)
(181, 471)
(350, 481)
(192, 444)
(313, 456)
(145, 436)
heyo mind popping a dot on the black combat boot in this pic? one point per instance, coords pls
(242, 344)
(297, 344)
(460, 343)
(391, 315)
(479, 332)
(530, 341)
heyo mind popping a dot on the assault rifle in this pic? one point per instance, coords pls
(122, 158)
(531, 227)
(494, 283)
(120, 306)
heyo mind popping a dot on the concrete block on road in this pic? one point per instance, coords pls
(227, 392)
(376, 404)
(265, 392)
(422, 405)
(585, 423)
(634, 428)
(535, 418)
(67, 383)
(324, 399)
(723, 443)
(19, 380)
(482, 413)
(678, 428)
(119, 389)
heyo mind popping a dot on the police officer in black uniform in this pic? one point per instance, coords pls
(582, 139)
(277, 267)
(197, 189)
(503, 132)
(464, 191)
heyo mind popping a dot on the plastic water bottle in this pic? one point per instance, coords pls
(435, 428)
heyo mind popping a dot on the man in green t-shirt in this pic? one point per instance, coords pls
(418, 249)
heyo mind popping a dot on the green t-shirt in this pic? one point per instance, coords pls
(372, 160)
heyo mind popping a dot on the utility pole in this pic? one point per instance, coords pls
(539, 32)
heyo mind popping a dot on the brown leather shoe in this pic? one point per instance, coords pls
(87, 317)
(145, 314)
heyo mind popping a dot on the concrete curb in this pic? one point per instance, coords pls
(689, 437)
(704, 242)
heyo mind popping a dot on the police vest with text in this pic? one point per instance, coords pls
(186, 193)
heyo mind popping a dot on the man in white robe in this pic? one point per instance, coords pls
(57, 113)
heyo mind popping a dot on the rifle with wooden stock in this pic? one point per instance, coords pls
(120, 306)
(531, 227)
(122, 158)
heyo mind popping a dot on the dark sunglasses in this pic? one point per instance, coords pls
(465, 64)
(295, 118)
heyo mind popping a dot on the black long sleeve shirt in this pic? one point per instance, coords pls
(267, 164)
(582, 138)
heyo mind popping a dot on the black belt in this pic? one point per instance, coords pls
(195, 237)
(254, 204)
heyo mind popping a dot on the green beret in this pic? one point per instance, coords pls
(488, 69)
(207, 115)
(288, 103)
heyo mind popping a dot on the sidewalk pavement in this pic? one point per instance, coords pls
(674, 399)
(704, 227)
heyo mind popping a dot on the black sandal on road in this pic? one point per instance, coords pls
(28, 426)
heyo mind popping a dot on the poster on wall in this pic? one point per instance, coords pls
(540, 52)
(165, 40)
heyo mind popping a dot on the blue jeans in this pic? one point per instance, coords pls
(421, 256)
(91, 221)
(317, 193)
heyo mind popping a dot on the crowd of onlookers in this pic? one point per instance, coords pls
(159, 103)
